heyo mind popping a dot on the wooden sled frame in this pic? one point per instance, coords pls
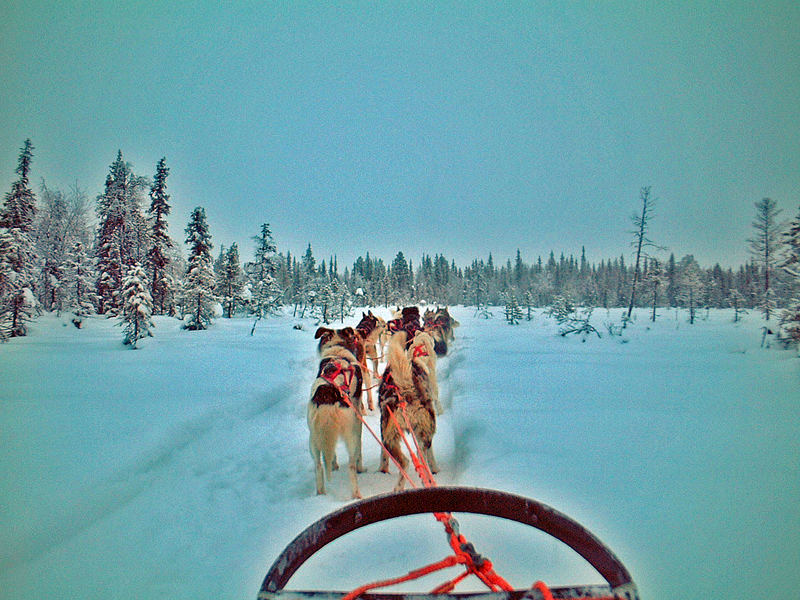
(450, 499)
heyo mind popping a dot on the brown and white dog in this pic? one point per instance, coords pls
(408, 379)
(330, 417)
(370, 330)
(440, 325)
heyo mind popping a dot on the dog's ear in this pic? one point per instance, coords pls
(348, 333)
(322, 331)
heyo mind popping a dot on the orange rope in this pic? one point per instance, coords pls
(464, 552)
(450, 561)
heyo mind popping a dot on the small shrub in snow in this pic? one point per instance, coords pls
(513, 310)
(570, 318)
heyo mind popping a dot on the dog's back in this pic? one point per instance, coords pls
(406, 393)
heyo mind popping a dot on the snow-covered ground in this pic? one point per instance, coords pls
(181, 470)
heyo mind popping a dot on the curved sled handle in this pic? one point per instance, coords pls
(480, 501)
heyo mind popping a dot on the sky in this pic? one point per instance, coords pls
(461, 129)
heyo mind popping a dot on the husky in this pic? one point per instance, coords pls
(440, 325)
(408, 379)
(329, 415)
(370, 329)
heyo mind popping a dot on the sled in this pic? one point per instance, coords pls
(452, 500)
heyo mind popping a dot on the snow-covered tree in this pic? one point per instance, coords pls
(158, 255)
(324, 301)
(266, 293)
(136, 306)
(122, 233)
(309, 263)
(561, 308)
(50, 232)
(199, 282)
(737, 303)
(17, 251)
(654, 279)
(691, 285)
(570, 318)
(528, 303)
(266, 299)
(513, 309)
(230, 281)
(78, 283)
(789, 323)
(19, 207)
(764, 248)
(342, 300)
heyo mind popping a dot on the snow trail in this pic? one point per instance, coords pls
(182, 469)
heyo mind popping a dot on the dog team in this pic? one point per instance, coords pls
(408, 388)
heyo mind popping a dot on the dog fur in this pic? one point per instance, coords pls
(370, 330)
(440, 325)
(329, 416)
(408, 378)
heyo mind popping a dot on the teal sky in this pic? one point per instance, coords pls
(461, 129)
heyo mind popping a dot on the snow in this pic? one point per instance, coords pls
(182, 470)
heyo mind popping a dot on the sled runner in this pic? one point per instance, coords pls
(442, 501)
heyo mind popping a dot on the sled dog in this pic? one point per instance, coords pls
(370, 329)
(440, 325)
(408, 379)
(329, 415)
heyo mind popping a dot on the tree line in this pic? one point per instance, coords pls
(53, 257)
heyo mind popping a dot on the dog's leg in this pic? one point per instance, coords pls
(372, 354)
(316, 456)
(386, 429)
(357, 438)
(368, 389)
(354, 452)
(397, 453)
(435, 393)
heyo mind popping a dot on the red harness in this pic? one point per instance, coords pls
(420, 350)
(330, 375)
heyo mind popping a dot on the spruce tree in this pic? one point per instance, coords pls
(790, 317)
(199, 282)
(513, 310)
(79, 277)
(122, 234)
(691, 286)
(136, 307)
(230, 281)
(267, 294)
(764, 248)
(160, 243)
(50, 232)
(654, 280)
(17, 251)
